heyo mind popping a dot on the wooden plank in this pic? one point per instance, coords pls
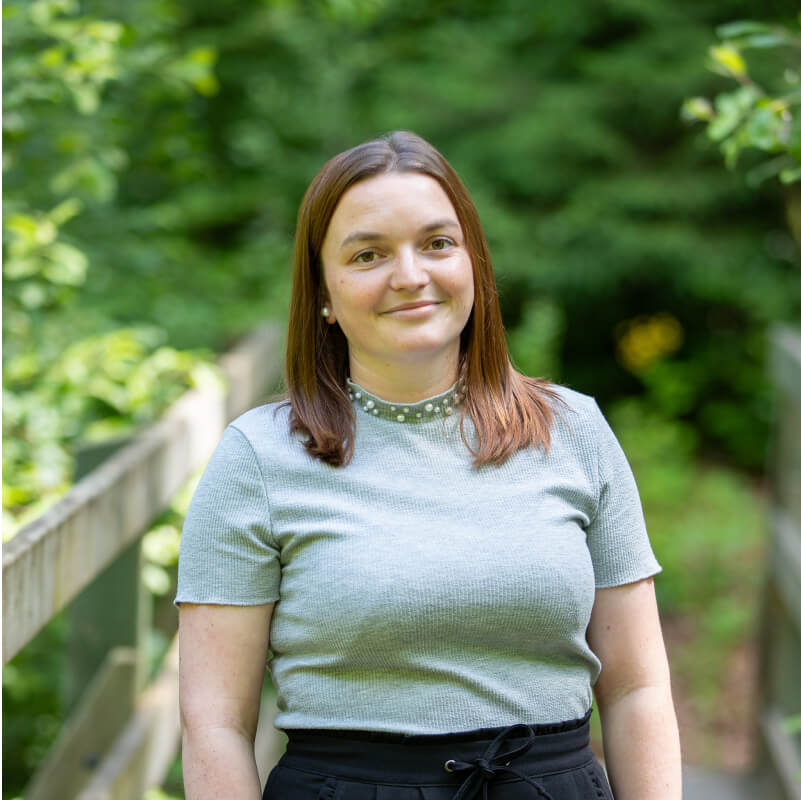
(101, 714)
(780, 760)
(705, 783)
(785, 460)
(785, 358)
(786, 564)
(252, 368)
(49, 561)
(142, 754)
(783, 754)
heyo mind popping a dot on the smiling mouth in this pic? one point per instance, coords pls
(413, 306)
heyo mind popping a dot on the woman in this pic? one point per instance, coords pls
(440, 552)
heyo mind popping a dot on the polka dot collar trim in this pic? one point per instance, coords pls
(437, 407)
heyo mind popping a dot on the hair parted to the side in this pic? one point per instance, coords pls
(509, 410)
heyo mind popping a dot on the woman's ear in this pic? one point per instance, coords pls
(327, 312)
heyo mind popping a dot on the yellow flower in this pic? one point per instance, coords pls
(646, 339)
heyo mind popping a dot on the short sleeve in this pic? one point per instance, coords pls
(616, 536)
(227, 554)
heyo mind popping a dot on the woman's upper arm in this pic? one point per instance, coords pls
(223, 655)
(626, 635)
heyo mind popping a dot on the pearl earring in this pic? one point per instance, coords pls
(325, 311)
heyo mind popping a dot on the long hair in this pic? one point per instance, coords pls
(509, 411)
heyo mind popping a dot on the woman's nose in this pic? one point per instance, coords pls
(409, 272)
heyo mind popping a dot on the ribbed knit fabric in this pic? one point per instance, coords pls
(416, 593)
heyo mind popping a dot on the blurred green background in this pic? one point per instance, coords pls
(155, 156)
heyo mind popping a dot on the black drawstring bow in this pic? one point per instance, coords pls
(486, 767)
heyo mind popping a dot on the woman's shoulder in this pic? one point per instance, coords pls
(577, 404)
(578, 422)
(267, 423)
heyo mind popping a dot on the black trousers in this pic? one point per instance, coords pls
(518, 762)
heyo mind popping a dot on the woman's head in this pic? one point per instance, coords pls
(399, 284)
(313, 340)
(317, 351)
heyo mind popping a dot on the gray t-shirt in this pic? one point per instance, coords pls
(416, 593)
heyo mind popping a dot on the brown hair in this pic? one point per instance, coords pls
(509, 410)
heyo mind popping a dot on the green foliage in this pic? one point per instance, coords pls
(753, 115)
(535, 342)
(706, 527)
(100, 387)
(158, 794)
(792, 724)
(156, 153)
(160, 547)
(32, 712)
(161, 543)
(71, 373)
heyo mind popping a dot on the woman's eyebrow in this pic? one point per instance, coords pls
(361, 236)
(440, 223)
(369, 236)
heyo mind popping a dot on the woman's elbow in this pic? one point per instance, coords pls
(202, 718)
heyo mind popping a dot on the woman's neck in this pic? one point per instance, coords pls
(407, 383)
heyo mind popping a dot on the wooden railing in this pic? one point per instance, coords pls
(780, 630)
(85, 552)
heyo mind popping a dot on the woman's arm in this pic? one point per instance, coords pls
(641, 736)
(223, 653)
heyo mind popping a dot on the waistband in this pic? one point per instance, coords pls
(473, 757)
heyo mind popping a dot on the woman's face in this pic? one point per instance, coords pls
(397, 271)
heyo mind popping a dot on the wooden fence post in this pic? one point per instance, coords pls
(779, 760)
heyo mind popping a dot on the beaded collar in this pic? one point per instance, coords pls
(439, 406)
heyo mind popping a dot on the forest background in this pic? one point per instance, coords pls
(155, 156)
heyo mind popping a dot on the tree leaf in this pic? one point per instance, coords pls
(67, 265)
(790, 175)
(763, 128)
(729, 59)
(730, 30)
(697, 108)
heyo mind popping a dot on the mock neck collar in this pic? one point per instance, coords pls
(436, 407)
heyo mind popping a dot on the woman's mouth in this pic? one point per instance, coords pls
(418, 308)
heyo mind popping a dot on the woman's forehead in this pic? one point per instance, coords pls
(391, 200)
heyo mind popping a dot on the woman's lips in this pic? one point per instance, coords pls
(418, 309)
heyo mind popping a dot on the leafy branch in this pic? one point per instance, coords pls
(755, 115)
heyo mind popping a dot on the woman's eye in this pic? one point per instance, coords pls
(366, 257)
(440, 243)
